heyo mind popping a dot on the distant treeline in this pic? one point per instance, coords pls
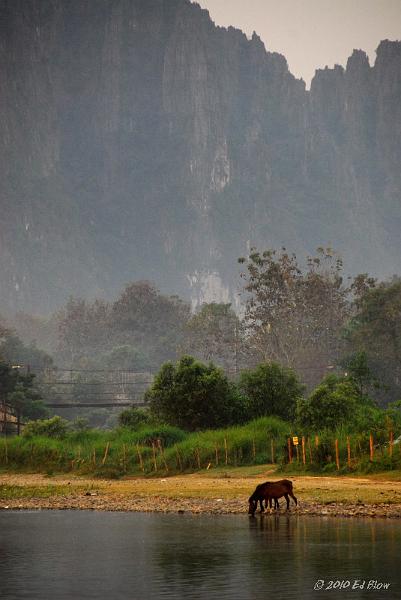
(301, 314)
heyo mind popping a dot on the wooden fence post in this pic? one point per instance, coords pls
(106, 453)
(337, 456)
(303, 451)
(390, 447)
(371, 449)
(216, 452)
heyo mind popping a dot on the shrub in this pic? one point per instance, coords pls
(333, 403)
(134, 417)
(56, 427)
(271, 390)
(194, 396)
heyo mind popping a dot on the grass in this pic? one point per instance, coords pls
(8, 492)
(161, 450)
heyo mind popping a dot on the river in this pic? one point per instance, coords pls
(81, 555)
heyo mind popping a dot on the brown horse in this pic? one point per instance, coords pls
(271, 490)
(259, 495)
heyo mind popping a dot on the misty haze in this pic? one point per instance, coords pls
(200, 299)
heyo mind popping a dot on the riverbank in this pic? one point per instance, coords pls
(214, 493)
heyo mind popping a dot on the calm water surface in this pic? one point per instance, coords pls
(99, 555)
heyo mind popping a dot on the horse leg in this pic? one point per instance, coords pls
(287, 500)
(276, 504)
(261, 505)
(293, 497)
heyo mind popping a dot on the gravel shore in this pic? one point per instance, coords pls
(196, 494)
(196, 506)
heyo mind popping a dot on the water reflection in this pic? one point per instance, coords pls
(81, 555)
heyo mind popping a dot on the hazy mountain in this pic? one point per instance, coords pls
(138, 140)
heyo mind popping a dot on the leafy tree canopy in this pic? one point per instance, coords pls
(194, 396)
(19, 391)
(271, 390)
(336, 401)
(294, 314)
(375, 331)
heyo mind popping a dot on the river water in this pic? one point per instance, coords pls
(82, 555)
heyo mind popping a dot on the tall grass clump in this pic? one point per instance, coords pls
(257, 442)
(87, 451)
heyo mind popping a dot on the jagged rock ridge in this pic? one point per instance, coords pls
(139, 140)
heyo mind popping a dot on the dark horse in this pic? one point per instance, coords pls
(271, 490)
(259, 495)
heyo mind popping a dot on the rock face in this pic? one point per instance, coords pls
(138, 140)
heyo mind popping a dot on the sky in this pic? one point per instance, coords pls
(312, 33)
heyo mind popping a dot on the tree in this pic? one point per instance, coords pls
(20, 392)
(14, 351)
(142, 327)
(333, 403)
(214, 333)
(84, 330)
(295, 316)
(359, 371)
(150, 321)
(271, 390)
(194, 396)
(375, 330)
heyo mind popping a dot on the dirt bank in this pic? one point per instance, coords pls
(202, 493)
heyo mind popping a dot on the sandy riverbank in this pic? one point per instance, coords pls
(202, 493)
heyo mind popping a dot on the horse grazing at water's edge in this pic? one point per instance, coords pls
(259, 495)
(271, 490)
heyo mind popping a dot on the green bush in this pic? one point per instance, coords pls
(194, 396)
(167, 435)
(133, 418)
(271, 389)
(56, 427)
(333, 403)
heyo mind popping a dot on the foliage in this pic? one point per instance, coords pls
(56, 427)
(295, 316)
(194, 396)
(215, 334)
(333, 403)
(14, 351)
(20, 392)
(165, 434)
(359, 371)
(375, 330)
(140, 330)
(134, 417)
(271, 390)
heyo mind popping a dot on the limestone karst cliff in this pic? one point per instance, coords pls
(139, 140)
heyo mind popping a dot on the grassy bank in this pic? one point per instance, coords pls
(165, 450)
